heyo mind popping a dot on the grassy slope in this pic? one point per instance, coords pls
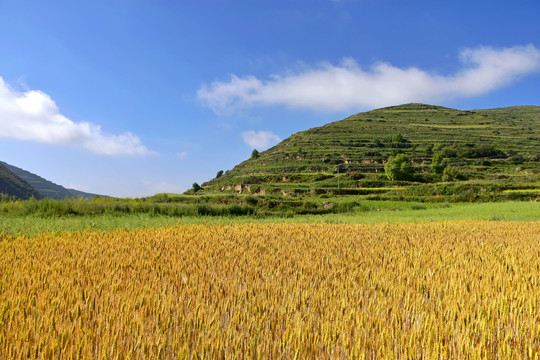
(489, 147)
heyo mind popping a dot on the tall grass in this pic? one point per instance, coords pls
(56, 208)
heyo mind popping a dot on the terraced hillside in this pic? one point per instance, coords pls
(495, 150)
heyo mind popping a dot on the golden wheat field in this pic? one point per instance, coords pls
(462, 290)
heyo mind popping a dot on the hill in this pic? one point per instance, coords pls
(41, 187)
(82, 194)
(13, 185)
(485, 150)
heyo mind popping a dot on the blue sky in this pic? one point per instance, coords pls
(134, 97)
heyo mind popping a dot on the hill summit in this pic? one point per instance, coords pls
(406, 146)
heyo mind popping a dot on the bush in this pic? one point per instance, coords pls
(484, 151)
(449, 152)
(399, 168)
(517, 159)
(451, 174)
(251, 200)
(398, 141)
(356, 175)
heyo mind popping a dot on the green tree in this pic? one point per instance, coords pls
(438, 164)
(255, 154)
(399, 168)
(196, 187)
(219, 174)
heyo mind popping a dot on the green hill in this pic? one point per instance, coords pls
(478, 151)
(44, 188)
(13, 185)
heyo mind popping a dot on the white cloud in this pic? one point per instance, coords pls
(348, 86)
(33, 115)
(260, 140)
(182, 155)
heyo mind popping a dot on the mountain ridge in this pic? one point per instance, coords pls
(42, 187)
(13, 185)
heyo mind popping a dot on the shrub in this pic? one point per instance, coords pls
(449, 152)
(356, 175)
(483, 151)
(399, 168)
(451, 174)
(398, 141)
(517, 159)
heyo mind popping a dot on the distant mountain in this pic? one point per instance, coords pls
(479, 147)
(13, 185)
(45, 188)
(41, 187)
(82, 194)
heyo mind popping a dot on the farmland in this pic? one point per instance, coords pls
(434, 290)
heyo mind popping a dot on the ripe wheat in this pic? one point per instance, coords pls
(433, 291)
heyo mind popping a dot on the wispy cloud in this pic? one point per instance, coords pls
(182, 154)
(260, 140)
(347, 86)
(33, 115)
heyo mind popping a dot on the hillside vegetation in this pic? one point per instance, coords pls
(12, 185)
(412, 150)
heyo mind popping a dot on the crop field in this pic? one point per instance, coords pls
(448, 290)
